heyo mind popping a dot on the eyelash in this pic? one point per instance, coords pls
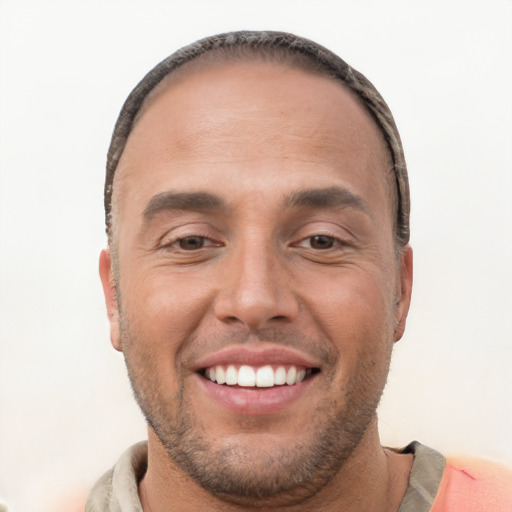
(331, 242)
(335, 242)
(178, 243)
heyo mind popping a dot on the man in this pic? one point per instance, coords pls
(257, 276)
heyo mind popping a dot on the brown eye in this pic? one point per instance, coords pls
(321, 242)
(191, 243)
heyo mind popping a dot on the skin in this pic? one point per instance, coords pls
(257, 134)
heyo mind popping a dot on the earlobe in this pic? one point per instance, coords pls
(404, 290)
(109, 290)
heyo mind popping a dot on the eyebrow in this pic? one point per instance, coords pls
(330, 197)
(193, 201)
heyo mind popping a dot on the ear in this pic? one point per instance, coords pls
(403, 292)
(109, 290)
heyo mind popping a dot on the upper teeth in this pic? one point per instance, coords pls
(262, 377)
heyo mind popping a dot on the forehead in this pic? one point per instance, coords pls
(254, 114)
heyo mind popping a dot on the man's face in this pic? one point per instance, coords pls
(254, 228)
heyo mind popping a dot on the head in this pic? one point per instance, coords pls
(277, 47)
(257, 210)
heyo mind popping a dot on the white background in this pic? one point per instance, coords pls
(66, 67)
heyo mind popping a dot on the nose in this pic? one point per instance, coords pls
(256, 288)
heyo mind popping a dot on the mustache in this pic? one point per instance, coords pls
(197, 345)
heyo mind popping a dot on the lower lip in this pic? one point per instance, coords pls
(255, 401)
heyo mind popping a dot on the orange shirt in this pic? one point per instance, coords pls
(473, 485)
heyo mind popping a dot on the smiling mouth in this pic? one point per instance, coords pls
(267, 376)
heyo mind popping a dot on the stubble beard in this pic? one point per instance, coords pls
(244, 474)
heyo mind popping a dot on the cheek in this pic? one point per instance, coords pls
(354, 309)
(355, 288)
(356, 317)
(161, 314)
(160, 296)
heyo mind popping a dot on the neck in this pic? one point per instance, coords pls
(372, 478)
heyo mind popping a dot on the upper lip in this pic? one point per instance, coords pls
(257, 354)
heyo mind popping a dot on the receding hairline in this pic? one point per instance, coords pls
(282, 58)
(276, 47)
(241, 54)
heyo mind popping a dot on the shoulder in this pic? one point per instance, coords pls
(99, 497)
(474, 485)
(117, 490)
